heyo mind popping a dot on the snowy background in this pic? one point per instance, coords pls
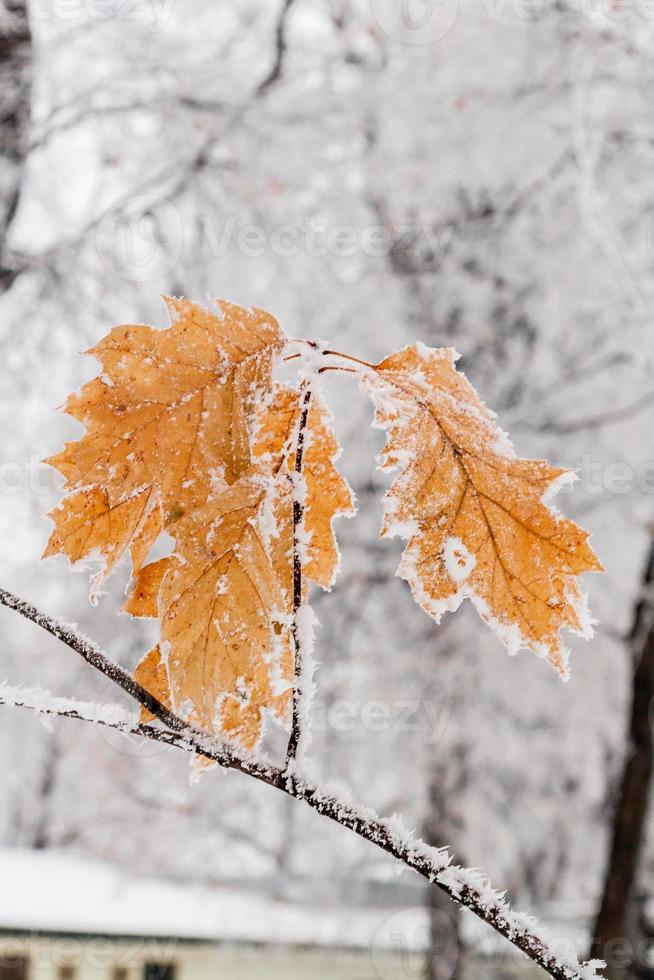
(476, 176)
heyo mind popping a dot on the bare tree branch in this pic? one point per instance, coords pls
(43, 703)
(613, 417)
(276, 69)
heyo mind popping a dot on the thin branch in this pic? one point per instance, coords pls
(94, 111)
(46, 703)
(304, 340)
(296, 630)
(468, 888)
(277, 66)
(199, 741)
(602, 419)
(90, 652)
(338, 369)
(102, 715)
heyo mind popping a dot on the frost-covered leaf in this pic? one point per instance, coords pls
(151, 674)
(225, 608)
(187, 432)
(475, 516)
(142, 600)
(225, 597)
(171, 414)
(326, 493)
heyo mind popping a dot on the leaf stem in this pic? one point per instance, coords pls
(329, 353)
(349, 357)
(338, 368)
(303, 340)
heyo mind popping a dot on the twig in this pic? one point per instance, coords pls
(85, 711)
(465, 887)
(296, 630)
(612, 417)
(199, 741)
(276, 69)
(95, 657)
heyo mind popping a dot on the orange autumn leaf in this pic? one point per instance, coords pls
(327, 494)
(225, 609)
(186, 432)
(171, 413)
(151, 674)
(87, 523)
(475, 515)
(142, 600)
(225, 598)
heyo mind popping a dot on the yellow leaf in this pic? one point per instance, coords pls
(170, 416)
(475, 515)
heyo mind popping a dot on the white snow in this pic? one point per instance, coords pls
(459, 563)
(306, 623)
(45, 703)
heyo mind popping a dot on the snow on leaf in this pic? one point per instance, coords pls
(172, 410)
(88, 523)
(327, 494)
(474, 514)
(225, 597)
(226, 609)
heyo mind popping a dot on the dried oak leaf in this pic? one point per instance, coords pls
(171, 413)
(475, 516)
(225, 598)
(225, 607)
